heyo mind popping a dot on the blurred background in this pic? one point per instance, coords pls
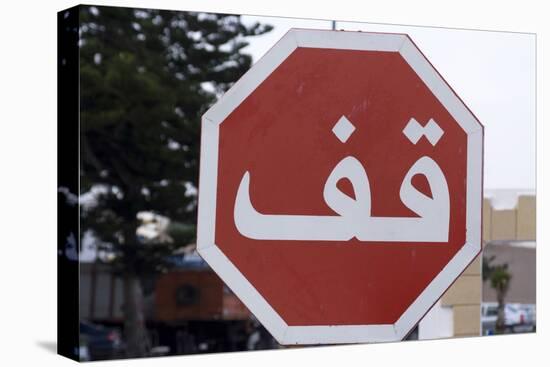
(147, 76)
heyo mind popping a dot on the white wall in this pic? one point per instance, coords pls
(438, 323)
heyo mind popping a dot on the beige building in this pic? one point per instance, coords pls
(509, 231)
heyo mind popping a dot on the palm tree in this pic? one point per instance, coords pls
(500, 277)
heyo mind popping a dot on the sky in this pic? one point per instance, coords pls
(492, 72)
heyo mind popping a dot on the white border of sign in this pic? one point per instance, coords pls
(336, 334)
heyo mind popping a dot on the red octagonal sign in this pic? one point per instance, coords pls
(340, 187)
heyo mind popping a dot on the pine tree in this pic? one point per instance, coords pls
(146, 77)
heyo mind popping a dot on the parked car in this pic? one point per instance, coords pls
(101, 342)
(517, 317)
(520, 317)
(489, 314)
(530, 313)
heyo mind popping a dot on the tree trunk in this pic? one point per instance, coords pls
(500, 326)
(134, 321)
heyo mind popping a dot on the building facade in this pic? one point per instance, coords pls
(509, 233)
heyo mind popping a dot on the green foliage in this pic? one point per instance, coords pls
(486, 267)
(497, 274)
(500, 278)
(146, 77)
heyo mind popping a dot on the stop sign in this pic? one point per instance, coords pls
(340, 187)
